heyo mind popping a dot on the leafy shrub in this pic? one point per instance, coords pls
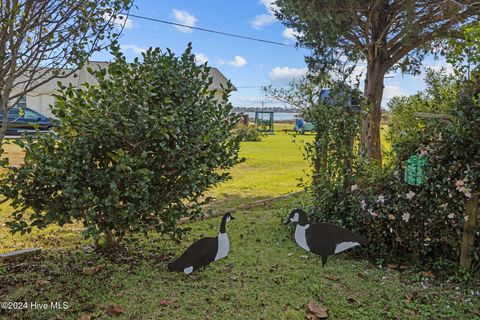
(134, 153)
(249, 132)
(332, 153)
(419, 225)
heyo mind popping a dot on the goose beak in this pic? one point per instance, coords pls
(286, 222)
(231, 217)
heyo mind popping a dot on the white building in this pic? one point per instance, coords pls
(42, 97)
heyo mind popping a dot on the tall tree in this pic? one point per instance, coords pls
(41, 40)
(386, 34)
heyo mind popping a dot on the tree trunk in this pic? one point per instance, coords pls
(370, 138)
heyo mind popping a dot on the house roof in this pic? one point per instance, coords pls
(219, 80)
(82, 76)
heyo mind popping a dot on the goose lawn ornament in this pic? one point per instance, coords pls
(204, 251)
(323, 239)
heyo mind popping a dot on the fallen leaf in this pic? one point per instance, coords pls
(410, 296)
(403, 267)
(317, 311)
(476, 312)
(85, 317)
(165, 302)
(93, 270)
(392, 266)
(429, 274)
(115, 310)
(333, 278)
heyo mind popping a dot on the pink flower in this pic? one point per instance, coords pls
(372, 213)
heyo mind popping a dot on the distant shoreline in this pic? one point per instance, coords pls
(280, 110)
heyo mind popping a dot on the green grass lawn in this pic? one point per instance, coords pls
(272, 167)
(265, 276)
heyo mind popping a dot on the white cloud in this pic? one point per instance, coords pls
(262, 20)
(289, 33)
(186, 18)
(269, 5)
(286, 74)
(392, 90)
(134, 48)
(238, 61)
(265, 19)
(250, 99)
(200, 58)
(120, 20)
(439, 65)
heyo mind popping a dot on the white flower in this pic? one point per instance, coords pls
(372, 213)
(396, 174)
(353, 187)
(363, 204)
(410, 195)
(381, 198)
(406, 217)
(465, 218)
(391, 230)
(451, 215)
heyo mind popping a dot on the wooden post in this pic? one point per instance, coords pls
(468, 236)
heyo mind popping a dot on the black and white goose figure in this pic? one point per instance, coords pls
(204, 251)
(323, 239)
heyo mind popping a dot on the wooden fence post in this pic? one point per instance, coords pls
(468, 236)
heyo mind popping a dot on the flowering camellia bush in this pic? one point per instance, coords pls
(417, 224)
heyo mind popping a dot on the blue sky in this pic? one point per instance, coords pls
(246, 63)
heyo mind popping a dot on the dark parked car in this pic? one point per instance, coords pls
(25, 120)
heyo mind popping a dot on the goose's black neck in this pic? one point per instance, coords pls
(302, 219)
(222, 225)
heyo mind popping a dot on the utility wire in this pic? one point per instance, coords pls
(214, 31)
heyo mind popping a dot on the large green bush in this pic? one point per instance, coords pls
(420, 225)
(134, 153)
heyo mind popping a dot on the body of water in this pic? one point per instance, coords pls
(277, 116)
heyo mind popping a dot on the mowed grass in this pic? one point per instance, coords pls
(272, 167)
(265, 276)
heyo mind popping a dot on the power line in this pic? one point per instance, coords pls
(214, 31)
